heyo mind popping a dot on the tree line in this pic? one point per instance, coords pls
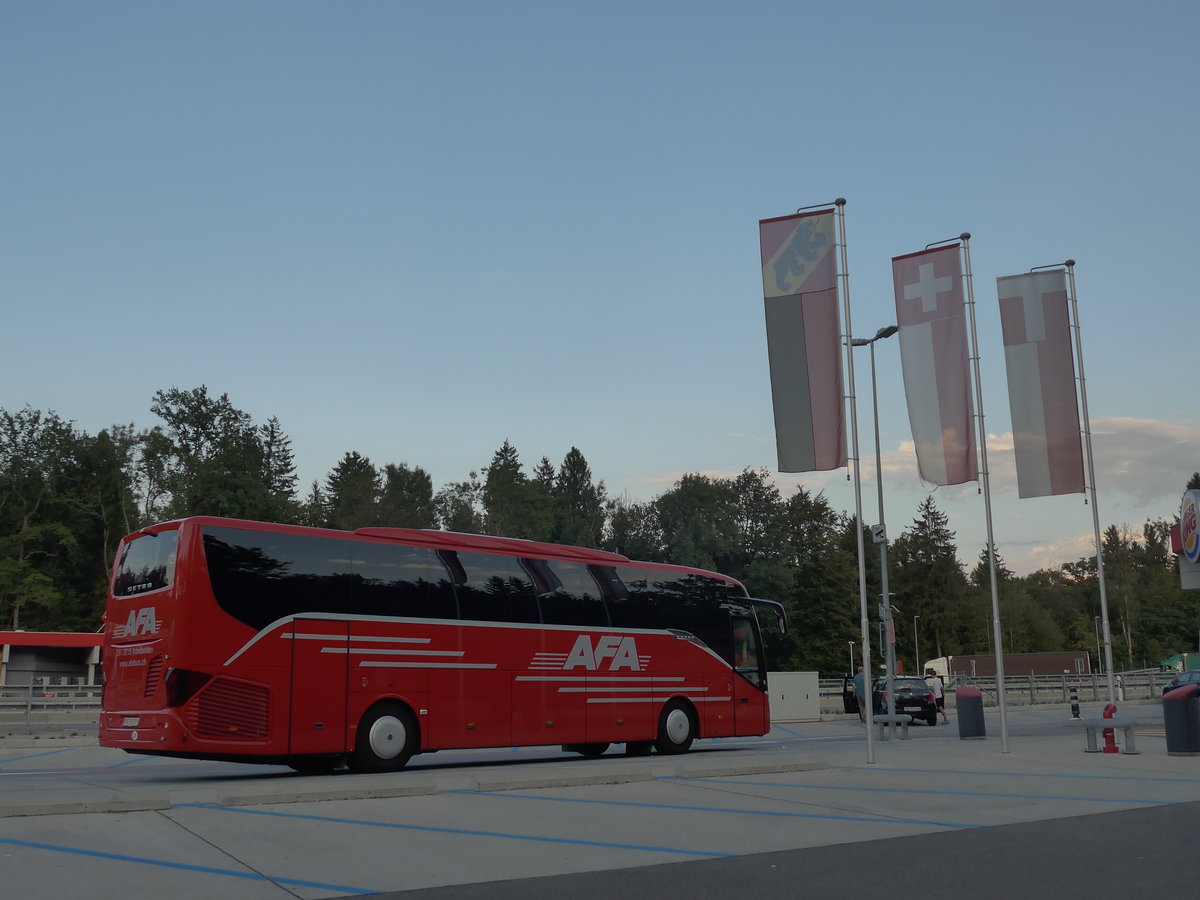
(68, 497)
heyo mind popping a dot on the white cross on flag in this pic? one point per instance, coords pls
(934, 357)
(803, 338)
(1041, 383)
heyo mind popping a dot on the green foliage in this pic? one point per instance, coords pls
(406, 499)
(459, 506)
(929, 581)
(352, 493)
(65, 500)
(513, 505)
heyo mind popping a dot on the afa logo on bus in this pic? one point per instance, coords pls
(140, 621)
(621, 651)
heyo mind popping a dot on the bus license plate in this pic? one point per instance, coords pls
(131, 722)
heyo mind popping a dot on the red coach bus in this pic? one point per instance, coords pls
(252, 642)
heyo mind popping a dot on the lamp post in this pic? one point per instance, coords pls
(851, 659)
(916, 648)
(1099, 662)
(879, 532)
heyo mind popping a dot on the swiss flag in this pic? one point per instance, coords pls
(936, 363)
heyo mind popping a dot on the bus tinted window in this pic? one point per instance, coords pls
(495, 589)
(147, 564)
(690, 603)
(260, 576)
(394, 580)
(576, 600)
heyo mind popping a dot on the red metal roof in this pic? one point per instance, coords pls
(51, 639)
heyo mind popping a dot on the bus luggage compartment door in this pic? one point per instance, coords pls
(319, 660)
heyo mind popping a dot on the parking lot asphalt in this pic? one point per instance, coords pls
(801, 806)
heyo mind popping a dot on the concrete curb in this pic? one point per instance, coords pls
(725, 770)
(346, 788)
(528, 782)
(87, 802)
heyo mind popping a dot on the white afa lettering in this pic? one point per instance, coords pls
(620, 651)
(140, 621)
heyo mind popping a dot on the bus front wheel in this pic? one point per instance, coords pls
(387, 738)
(676, 728)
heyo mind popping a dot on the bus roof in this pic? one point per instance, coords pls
(428, 537)
(454, 540)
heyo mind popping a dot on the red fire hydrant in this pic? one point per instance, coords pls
(1110, 736)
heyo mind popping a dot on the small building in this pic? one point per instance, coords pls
(56, 658)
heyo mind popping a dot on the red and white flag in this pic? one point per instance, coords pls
(935, 360)
(799, 265)
(1041, 383)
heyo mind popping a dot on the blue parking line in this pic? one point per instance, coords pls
(891, 790)
(130, 762)
(947, 772)
(718, 809)
(206, 870)
(465, 832)
(14, 759)
(787, 731)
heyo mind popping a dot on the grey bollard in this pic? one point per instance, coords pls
(968, 703)
(1181, 719)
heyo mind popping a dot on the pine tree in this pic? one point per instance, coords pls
(929, 580)
(352, 493)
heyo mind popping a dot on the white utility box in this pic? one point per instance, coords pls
(794, 696)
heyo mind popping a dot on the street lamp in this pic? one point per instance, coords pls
(851, 659)
(879, 532)
(1099, 665)
(916, 648)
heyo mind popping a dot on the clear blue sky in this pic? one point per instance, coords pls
(418, 229)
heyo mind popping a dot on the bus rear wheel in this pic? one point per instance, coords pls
(676, 728)
(387, 738)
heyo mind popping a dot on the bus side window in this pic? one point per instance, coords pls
(496, 589)
(443, 599)
(259, 577)
(615, 595)
(577, 600)
(391, 580)
(642, 607)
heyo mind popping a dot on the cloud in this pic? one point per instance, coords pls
(1145, 460)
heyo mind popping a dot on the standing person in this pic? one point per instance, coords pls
(860, 691)
(939, 694)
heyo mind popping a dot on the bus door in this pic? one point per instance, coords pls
(320, 656)
(749, 699)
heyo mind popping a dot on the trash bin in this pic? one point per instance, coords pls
(968, 703)
(1181, 719)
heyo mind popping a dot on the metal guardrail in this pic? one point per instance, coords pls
(27, 703)
(1032, 689)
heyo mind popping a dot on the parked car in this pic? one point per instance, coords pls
(1183, 679)
(913, 697)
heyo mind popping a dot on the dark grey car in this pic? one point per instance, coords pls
(913, 697)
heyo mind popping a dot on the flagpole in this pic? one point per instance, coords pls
(865, 625)
(1087, 443)
(987, 494)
